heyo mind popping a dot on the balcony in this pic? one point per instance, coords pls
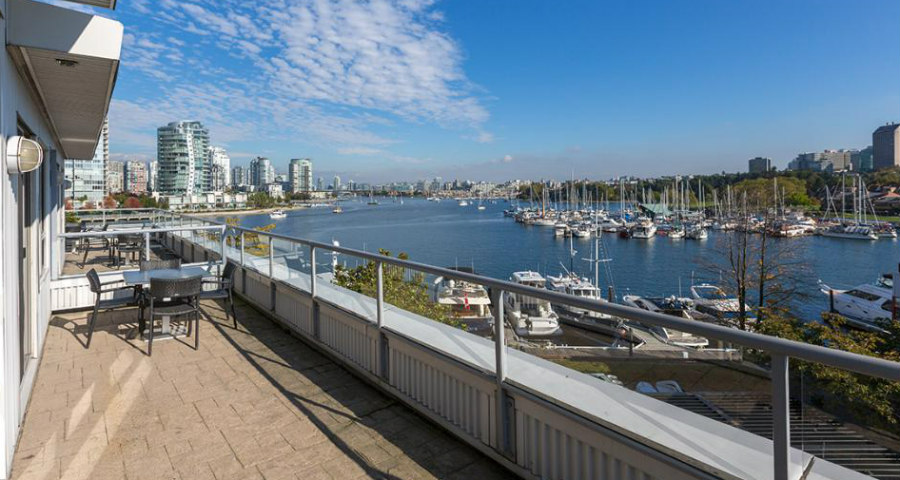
(250, 403)
(341, 367)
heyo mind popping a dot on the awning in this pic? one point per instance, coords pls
(69, 60)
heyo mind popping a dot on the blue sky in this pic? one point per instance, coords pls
(383, 90)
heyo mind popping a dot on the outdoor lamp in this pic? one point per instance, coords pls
(22, 155)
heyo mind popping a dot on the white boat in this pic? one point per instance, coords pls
(277, 214)
(469, 303)
(482, 207)
(712, 300)
(463, 203)
(696, 232)
(644, 231)
(530, 316)
(337, 209)
(560, 229)
(572, 284)
(582, 231)
(543, 222)
(676, 233)
(678, 307)
(865, 305)
(434, 199)
(855, 232)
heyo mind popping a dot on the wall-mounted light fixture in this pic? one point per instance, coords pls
(22, 155)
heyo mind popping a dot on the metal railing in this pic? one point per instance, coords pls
(146, 233)
(781, 350)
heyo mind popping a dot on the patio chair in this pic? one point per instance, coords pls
(175, 298)
(90, 244)
(127, 245)
(99, 288)
(160, 264)
(224, 290)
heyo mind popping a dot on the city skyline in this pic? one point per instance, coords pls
(494, 98)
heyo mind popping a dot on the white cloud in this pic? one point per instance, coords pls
(326, 72)
(358, 151)
(507, 159)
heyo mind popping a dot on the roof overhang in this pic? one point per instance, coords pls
(110, 4)
(69, 61)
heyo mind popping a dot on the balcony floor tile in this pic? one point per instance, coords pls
(250, 403)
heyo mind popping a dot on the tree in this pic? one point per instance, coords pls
(406, 291)
(260, 200)
(110, 202)
(132, 202)
(871, 399)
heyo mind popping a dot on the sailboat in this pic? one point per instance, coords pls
(372, 200)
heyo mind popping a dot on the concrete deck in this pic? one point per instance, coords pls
(252, 403)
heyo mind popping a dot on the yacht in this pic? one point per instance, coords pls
(712, 300)
(855, 232)
(865, 305)
(677, 307)
(337, 209)
(530, 316)
(696, 232)
(643, 230)
(543, 222)
(571, 284)
(277, 214)
(463, 203)
(469, 303)
(676, 233)
(560, 229)
(583, 231)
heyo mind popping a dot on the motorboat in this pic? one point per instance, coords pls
(678, 307)
(676, 233)
(571, 284)
(643, 231)
(561, 229)
(337, 209)
(696, 232)
(583, 231)
(277, 214)
(530, 316)
(469, 303)
(463, 203)
(863, 306)
(712, 300)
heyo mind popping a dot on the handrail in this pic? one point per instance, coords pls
(828, 356)
(781, 350)
(111, 233)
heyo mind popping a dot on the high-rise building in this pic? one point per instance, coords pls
(221, 169)
(135, 177)
(760, 165)
(886, 146)
(261, 172)
(863, 160)
(86, 179)
(300, 175)
(153, 175)
(182, 152)
(827, 161)
(336, 185)
(238, 177)
(115, 177)
(320, 184)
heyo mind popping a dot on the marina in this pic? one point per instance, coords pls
(655, 267)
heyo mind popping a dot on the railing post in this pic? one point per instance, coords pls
(313, 307)
(379, 299)
(147, 246)
(382, 345)
(781, 417)
(502, 407)
(224, 258)
(271, 259)
(242, 248)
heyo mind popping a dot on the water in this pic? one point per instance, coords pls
(445, 234)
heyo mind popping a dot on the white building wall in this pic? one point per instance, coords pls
(16, 102)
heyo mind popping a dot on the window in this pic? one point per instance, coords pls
(869, 297)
